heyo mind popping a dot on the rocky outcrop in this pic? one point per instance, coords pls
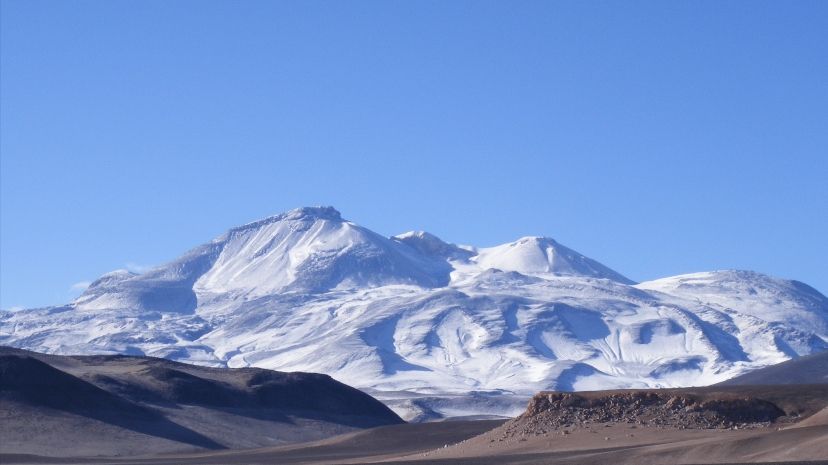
(558, 410)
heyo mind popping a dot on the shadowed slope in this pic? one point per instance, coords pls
(810, 369)
(127, 405)
(26, 380)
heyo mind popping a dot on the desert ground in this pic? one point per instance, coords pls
(448, 443)
(128, 410)
(799, 436)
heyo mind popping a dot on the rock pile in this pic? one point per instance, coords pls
(556, 411)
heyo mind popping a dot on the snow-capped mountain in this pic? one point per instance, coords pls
(429, 327)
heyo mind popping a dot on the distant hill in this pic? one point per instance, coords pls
(810, 369)
(76, 405)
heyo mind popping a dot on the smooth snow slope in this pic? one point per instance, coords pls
(431, 328)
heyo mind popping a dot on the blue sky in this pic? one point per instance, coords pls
(656, 137)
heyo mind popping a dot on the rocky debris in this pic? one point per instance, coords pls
(560, 412)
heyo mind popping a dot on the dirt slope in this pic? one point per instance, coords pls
(125, 405)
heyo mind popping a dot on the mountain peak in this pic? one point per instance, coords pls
(297, 214)
(541, 240)
(312, 249)
(313, 213)
(431, 245)
(537, 254)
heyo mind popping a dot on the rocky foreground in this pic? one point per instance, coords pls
(764, 422)
(714, 424)
(556, 410)
(561, 412)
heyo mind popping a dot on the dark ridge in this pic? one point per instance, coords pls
(162, 380)
(810, 369)
(315, 392)
(186, 404)
(314, 395)
(183, 387)
(32, 382)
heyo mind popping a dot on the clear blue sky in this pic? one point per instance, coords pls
(656, 137)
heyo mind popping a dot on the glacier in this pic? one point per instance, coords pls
(430, 328)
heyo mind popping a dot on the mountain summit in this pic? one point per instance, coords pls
(306, 250)
(431, 328)
(313, 250)
(543, 255)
